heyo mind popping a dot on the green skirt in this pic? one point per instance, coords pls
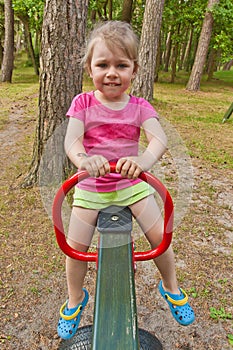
(101, 200)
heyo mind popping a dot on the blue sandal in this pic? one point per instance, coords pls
(70, 318)
(179, 306)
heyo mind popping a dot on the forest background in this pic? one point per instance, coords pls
(37, 70)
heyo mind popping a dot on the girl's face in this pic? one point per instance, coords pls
(111, 72)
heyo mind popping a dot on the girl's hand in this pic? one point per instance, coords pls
(129, 167)
(95, 165)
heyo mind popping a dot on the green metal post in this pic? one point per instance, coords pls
(228, 113)
(115, 314)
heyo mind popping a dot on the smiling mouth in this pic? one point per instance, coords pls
(111, 84)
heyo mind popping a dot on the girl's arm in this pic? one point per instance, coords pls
(96, 165)
(157, 145)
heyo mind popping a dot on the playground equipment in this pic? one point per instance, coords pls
(228, 113)
(115, 316)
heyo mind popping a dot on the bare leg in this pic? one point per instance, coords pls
(149, 217)
(81, 229)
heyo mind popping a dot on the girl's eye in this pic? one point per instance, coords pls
(102, 65)
(122, 65)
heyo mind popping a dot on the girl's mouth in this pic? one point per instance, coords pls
(111, 84)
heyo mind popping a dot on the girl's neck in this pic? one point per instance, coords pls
(111, 104)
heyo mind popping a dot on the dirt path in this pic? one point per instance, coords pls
(33, 280)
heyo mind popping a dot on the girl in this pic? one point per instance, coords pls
(105, 125)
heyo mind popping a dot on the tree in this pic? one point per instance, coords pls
(143, 84)
(127, 10)
(2, 30)
(29, 46)
(8, 57)
(63, 37)
(202, 49)
(221, 41)
(30, 13)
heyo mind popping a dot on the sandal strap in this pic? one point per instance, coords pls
(178, 302)
(69, 317)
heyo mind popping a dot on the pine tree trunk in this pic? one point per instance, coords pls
(63, 37)
(187, 55)
(183, 50)
(212, 63)
(228, 65)
(168, 51)
(28, 38)
(175, 57)
(8, 56)
(143, 84)
(202, 50)
(127, 10)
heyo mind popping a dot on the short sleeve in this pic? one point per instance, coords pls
(147, 110)
(77, 108)
(80, 104)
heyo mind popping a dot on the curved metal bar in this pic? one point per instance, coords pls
(57, 219)
(138, 256)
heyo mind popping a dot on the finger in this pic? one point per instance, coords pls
(137, 172)
(119, 164)
(125, 168)
(132, 169)
(102, 165)
(106, 167)
(90, 170)
(92, 167)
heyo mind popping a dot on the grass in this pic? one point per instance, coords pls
(224, 76)
(195, 114)
(221, 313)
(23, 72)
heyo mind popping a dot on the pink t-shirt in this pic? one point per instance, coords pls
(111, 133)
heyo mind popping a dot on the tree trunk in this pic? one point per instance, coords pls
(228, 65)
(183, 50)
(28, 38)
(63, 38)
(1, 54)
(167, 55)
(212, 63)
(127, 10)
(143, 84)
(175, 56)
(158, 61)
(8, 56)
(110, 9)
(202, 49)
(187, 55)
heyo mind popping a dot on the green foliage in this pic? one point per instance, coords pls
(217, 314)
(223, 29)
(179, 18)
(99, 10)
(33, 9)
(137, 17)
(189, 15)
(230, 339)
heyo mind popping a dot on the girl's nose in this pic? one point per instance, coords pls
(111, 72)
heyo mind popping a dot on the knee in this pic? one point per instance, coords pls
(154, 238)
(77, 246)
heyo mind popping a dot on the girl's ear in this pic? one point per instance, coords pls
(88, 70)
(135, 71)
(90, 73)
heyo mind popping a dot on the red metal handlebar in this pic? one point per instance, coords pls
(138, 256)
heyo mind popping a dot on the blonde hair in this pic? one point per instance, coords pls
(115, 34)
